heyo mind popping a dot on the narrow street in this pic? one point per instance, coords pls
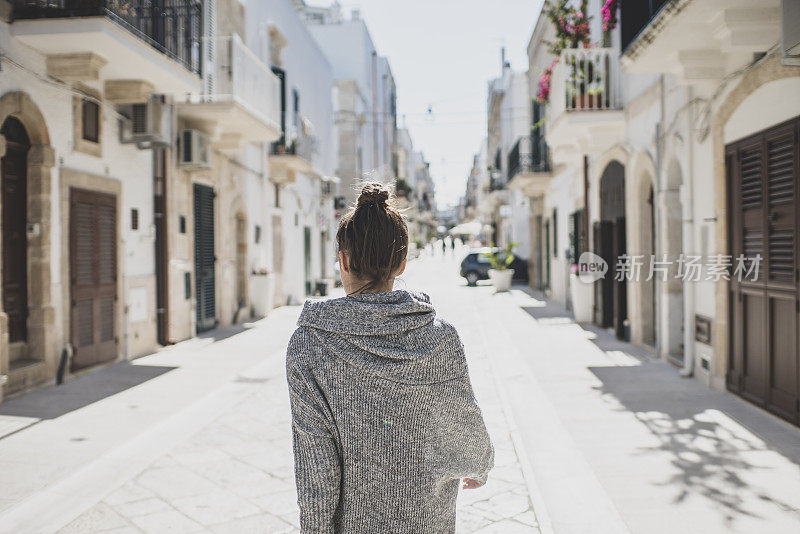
(591, 434)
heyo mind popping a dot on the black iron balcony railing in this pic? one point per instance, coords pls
(496, 183)
(528, 155)
(302, 146)
(635, 16)
(173, 27)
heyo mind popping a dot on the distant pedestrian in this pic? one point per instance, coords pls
(384, 418)
(444, 247)
(453, 244)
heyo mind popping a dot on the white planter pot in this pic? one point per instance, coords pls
(501, 279)
(582, 294)
(262, 294)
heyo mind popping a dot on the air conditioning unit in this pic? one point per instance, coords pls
(146, 124)
(195, 150)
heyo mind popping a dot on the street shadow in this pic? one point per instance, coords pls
(82, 391)
(709, 454)
(549, 312)
(224, 332)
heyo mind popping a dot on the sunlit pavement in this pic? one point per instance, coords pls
(591, 435)
(196, 438)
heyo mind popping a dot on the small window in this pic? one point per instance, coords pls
(277, 196)
(134, 219)
(258, 234)
(182, 224)
(90, 121)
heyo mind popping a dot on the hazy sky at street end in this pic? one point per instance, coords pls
(442, 53)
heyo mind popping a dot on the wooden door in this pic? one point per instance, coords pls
(604, 287)
(15, 243)
(620, 286)
(93, 277)
(204, 258)
(763, 184)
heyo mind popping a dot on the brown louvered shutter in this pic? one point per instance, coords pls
(764, 176)
(93, 277)
(752, 203)
(781, 230)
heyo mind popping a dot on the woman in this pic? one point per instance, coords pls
(384, 419)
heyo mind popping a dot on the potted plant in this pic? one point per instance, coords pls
(262, 291)
(500, 274)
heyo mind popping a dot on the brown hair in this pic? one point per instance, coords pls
(374, 236)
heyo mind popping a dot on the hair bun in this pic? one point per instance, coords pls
(373, 193)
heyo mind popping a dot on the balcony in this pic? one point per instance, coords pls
(585, 104)
(155, 40)
(697, 41)
(529, 167)
(244, 105)
(288, 158)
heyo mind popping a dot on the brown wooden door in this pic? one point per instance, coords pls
(93, 277)
(763, 178)
(15, 244)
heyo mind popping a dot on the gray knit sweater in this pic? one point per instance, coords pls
(383, 414)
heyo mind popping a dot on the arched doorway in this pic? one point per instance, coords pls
(672, 291)
(15, 242)
(646, 247)
(611, 297)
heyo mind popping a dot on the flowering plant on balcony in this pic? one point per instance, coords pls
(544, 83)
(571, 24)
(609, 13)
(262, 271)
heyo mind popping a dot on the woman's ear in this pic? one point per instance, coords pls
(402, 267)
(344, 264)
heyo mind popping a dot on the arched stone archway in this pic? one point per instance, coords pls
(642, 244)
(35, 361)
(671, 213)
(610, 242)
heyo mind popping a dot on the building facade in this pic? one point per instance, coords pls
(506, 209)
(139, 210)
(675, 136)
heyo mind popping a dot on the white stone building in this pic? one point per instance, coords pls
(302, 163)
(364, 97)
(507, 210)
(673, 136)
(153, 166)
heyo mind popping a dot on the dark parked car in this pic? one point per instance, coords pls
(476, 267)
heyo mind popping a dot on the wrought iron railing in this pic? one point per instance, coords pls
(528, 155)
(173, 27)
(302, 146)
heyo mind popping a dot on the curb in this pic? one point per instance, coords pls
(534, 493)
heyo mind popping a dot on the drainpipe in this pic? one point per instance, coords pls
(687, 190)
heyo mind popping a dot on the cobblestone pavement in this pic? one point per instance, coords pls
(235, 473)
